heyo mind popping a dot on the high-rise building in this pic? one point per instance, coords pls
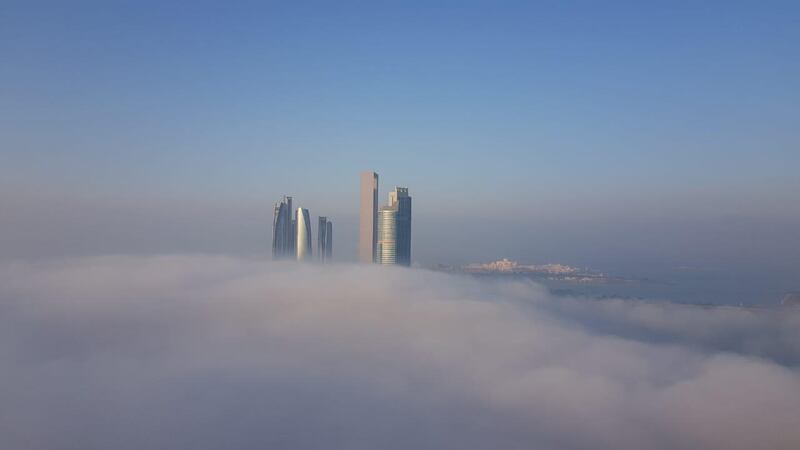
(324, 239)
(329, 241)
(283, 229)
(303, 234)
(402, 203)
(394, 229)
(368, 218)
(277, 228)
(387, 236)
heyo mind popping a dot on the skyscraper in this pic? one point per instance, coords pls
(387, 236)
(282, 229)
(329, 242)
(368, 218)
(402, 203)
(394, 229)
(324, 239)
(303, 234)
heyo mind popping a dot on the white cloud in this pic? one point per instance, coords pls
(207, 352)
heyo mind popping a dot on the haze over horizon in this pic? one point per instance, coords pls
(143, 145)
(612, 135)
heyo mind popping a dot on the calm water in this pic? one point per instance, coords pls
(688, 285)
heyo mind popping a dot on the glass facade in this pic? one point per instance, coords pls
(324, 239)
(303, 233)
(283, 230)
(387, 236)
(394, 229)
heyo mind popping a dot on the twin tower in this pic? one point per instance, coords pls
(384, 234)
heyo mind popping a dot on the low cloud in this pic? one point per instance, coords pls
(195, 352)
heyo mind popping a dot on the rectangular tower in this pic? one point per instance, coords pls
(322, 238)
(368, 217)
(329, 241)
(401, 202)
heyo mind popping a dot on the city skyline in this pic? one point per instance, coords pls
(608, 156)
(292, 236)
(384, 234)
(604, 250)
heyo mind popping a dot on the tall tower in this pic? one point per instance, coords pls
(322, 238)
(282, 232)
(291, 226)
(276, 234)
(401, 201)
(387, 236)
(303, 233)
(368, 218)
(394, 229)
(329, 241)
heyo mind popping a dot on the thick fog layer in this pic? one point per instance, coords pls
(208, 353)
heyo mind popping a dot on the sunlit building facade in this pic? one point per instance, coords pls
(303, 234)
(394, 230)
(387, 236)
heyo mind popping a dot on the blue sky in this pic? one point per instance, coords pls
(639, 121)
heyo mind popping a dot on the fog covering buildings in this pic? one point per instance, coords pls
(384, 234)
(292, 237)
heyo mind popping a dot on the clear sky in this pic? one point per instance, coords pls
(580, 132)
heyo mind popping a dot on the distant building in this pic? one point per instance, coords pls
(324, 239)
(329, 242)
(368, 218)
(387, 236)
(402, 202)
(303, 234)
(283, 230)
(394, 230)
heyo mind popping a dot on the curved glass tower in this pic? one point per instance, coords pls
(303, 234)
(387, 236)
(394, 230)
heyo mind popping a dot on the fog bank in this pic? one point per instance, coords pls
(201, 352)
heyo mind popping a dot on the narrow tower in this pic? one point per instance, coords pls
(329, 241)
(282, 233)
(401, 201)
(368, 218)
(322, 238)
(303, 233)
